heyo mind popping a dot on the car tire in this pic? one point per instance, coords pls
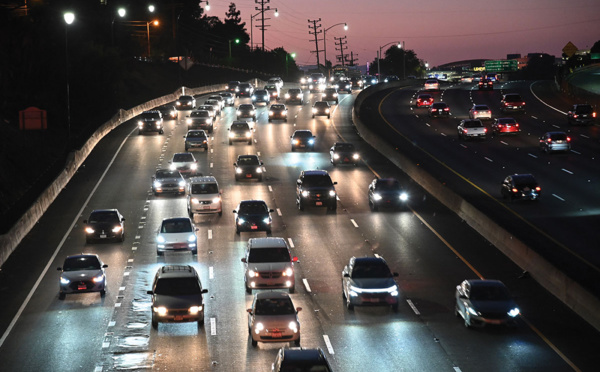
(395, 307)
(269, 232)
(313, 116)
(349, 305)
(260, 178)
(301, 205)
(297, 342)
(293, 149)
(88, 241)
(159, 253)
(61, 296)
(328, 116)
(292, 289)
(220, 213)
(154, 323)
(103, 293)
(122, 238)
(237, 231)
(161, 131)
(270, 120)
(254, 343)
(230, 142)
(139, 132)
(248, 290)
(250, 142)
(195, 252)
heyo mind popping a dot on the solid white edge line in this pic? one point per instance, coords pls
(328, 343)
(39, 280)
(213, 327)
(538, 98)
(558, 197)
(290, 242)
(306, 285)
(456, 369)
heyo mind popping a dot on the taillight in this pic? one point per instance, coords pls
(537, 188)
(485, 130)
(574, 116)
(549, 140)
(446, 109)
(476, 112)
(568, 139)
(515, 190)
(517, 125)
(464, 131)
(593, 114)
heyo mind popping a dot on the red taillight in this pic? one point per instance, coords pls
(538, 188)
(464, 131)
(517, 125)
(446, 109)
(476, 112)
(568, 139)
(485, 130)
(593, 114)
(515, 190)
(574, 116)
(549, 140)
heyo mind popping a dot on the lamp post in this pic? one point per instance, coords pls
(237, 41)
(325, 41)
(263, 29)
(293, 55)
(69, 19)
(379, 57)
(121, 13)
(155, 23)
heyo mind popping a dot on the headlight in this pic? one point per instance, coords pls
(98, 279)
(355, 156)
(178, 103)
(89, 230)
(335, 94)
(248, 134)
(254, 98)
(160, 239)
(287, 96)
(327, 111)
(252, 112)
(305, 193)
(194, 200)
(238, 170)
(472, 311)
(267, 220)
(172, 167)
(336, 156)
(270, 113)
(191, 238)
(252, 273)
(231, 134)
(288, 272)
(181, 183)
(140, 123)
(259, 170)
(404, 196)
(377, 196)
(116, 229)
(238, 112)
(331, 192)
(311, 141)
(64, 281)
(195, 309)
(188, 121)
(293, 326)
(194, 166)
(295, 142)
(216, 199)
(241, 221)
(258, 327)
(161, 310)
(514, 312)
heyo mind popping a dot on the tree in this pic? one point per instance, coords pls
(540, 67)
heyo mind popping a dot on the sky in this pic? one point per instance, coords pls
(439, 31)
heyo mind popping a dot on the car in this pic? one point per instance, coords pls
(278, 111)
(520, 186)
(219, 98)
(274, 91)
(273, 318)
(215, 104)
(343, 153)
(303, 139)
(466, 79)
(228, 98)
(356, 82)
(150, 121)
(104, 224)
(315, 188)
(485, 84)
(482, 302)
(82, 273)
(300, 359)
(233, 87)
(168, 112)
(439, 109)
(321, 108)
(277, 81)
(211, 110)
(200, 119)
(245, 90)
(185, 103)
(386, 192)
(492, 76)
(177, 296)
(305, 81)
(185, 163)
(390, 78)
(555, 141)
(248, 167)
(195, 139)
(505, 126)
(261, 96)
(294, 95)
(240, 131)
(424, 100)
(330, 95)
(252, 215)
(512, 102)
(203, 196)
(581, 114)
(246, 110)
(317, 82)
(369, 281)
(167, 181)
(369, 80)
(431, 84)
(471, 128)
(269, 264)
(176, 234)
(344, 85)
(480, 112)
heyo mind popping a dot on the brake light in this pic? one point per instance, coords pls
(517, 125)
(515, 190)
(568, 139)
(464, 131)
(446, 109)
(549, 140)
(575, 116)
(593, 114)
(537, 188)
(485, 130)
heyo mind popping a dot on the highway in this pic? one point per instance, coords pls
(429, 246)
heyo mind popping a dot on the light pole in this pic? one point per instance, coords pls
(155, 23)
(325, 41)
(293, 55)
(121, 12)
(379, 57)
(237, 41)
(403, 61)
(263, 29)
(69, 19)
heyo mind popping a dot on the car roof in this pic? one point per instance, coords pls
(302, 131)
(105, 210)
(303, 356)
(369, 260)
(480, 106)
(176, 271)
(525, 177)
(485, 283)
(268, 242)
(315, 172)
(196, 131)
(176, 219)
(202, 179)
(343, 144)
(506, 119)
(83, 255)
(424, 96)
(246, 105)
(267, 295)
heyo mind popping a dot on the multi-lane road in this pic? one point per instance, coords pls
(428, 245)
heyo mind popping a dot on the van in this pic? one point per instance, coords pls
(203, 196)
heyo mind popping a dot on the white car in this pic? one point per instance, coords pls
(471, 128)
(203, 196)
(218, 98)
(275, 81)
(176, 234)
(185, 163)
(273, 318)
(480, 112)
(228, 98)
(432, 84)
(269, 264)
(82, 273)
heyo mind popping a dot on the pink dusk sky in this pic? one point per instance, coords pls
(439, 31)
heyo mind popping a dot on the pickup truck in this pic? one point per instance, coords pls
(471, 128)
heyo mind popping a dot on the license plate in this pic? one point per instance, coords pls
(276, 334)
(102, 236)
(494, 321)
(373, 300)
(249, 176)
(253, 227)
(526, 189)
(319, 203)
(178, 318)
(81, 287)
(346, 160)
(206, 207)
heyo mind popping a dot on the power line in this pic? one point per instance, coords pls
(316, 32)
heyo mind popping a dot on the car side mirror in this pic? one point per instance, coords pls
(244, 260)
(335, 183)
(395, 274)
(346, 275)
(122, 219)
(298, 182)
(234, 211)
(150, 292)
(204, 290)
(271, 210)
(184, 136)
(249, 311)
(104, 266)
(235, 164)
(298, 309)
(294, 259)
(261, 163)
(59, 268)
(196, 229)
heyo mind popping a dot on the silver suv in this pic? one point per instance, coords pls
(150, 121)
(203, 196)
(269, 264)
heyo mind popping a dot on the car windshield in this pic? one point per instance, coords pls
(371, 270)
(81, 263)
(248, 160)
(513, 98)
(319, 181)
(239, 127)
(438, 105)
(186, 98)
(167, 174)
(506, 121)
(176, 226)
(206, 108)
(150, 115)
(294, 91)
(261, 92)
(303, 134)
(183, 158)
(200, 114)
(481, 107)
(584, 109)
(253, 208)
(344, 147)
(473, 124)
(204, 188)
(177, 286)
(196, 134)
(388, 185)
(274, 306)
(277, 107)
(246, 107)
(424, 96)
(278, 254)
(558, 136)
(321, 104)
(104, 217)
(489, 293)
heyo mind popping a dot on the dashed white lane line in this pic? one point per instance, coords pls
(211, 165)
(533, 156)
(566, 171)
(456, 369)
(138, 237)
(279, 212)
(126, 273)
(413, 307)
(98, 369)
(258, 153)
(130, 260)
(488, 159)
(556, 126)
(270, 188)
(328, 343)
(576, 152)
(463, 145)
(354, 222)
(533, 117)
(118, 304)
(504, 143)
(213, 327)
(584, 136)
(211, 272)
(211, 150)
(290, 242)
(112, 323)
(209, 234)
(306, 285)
(443, 134)
(558, 197)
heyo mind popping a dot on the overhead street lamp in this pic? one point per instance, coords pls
(207, 4)
(237, 41)
(121, 13)
(69, 19)
(379, 57)
(325, 40)
(155, 23)
(263, 31)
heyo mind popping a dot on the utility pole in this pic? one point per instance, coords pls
(342, 46)
(315, 32)
(352, 59)
(262, 10)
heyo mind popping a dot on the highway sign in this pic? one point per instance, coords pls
(501, 65)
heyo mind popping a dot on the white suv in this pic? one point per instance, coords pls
(204, 196)
(269, 264)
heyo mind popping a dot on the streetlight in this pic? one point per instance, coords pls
(293, 55)
(237, 41)
(207, 4)
(155, 23)
(121, 12)
(69, 19)
(379, 56)
(325, 41)
(263, 29)
(151, 8)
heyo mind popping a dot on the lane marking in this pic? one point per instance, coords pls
(270, 188)
(504, 143)
(533, 117)
(533, 156)
(306, 285)
(211, 165)
(413, 307)
(539, 99)
(112, 323)
(209, 234)
(211, 272)
(328, 343)
(488, 159)
(354, 222)
(576, 152)
(456, 369)
(558, 197)
(118, 304)
(566, 171)
(213, 327)
(279, 212)
(98, 369)
(290, 242)
(584, 136)
(556, 126)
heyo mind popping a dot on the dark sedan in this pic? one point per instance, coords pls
(484, 302)
(104, 224)
(248, 167)
(520, 186)
(386, 192)
(168, 181)
(343, 153)
(252, 215)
